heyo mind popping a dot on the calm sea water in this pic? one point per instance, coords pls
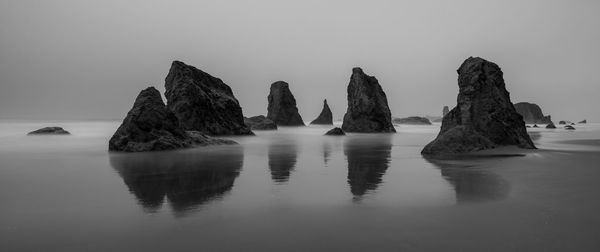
(295, 190)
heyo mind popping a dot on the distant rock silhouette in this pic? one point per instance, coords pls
(150, 126)
(282, 106)
(484, 117)
(260, 123)
(582, 122)
(326, 117)
(532, 113)
(562, 122)
(445, 111)
(49, 131)
(335, 132)
(202, 102)
(415, 120)
(551, 126)
(368, 109)
(536, 126)
(569, 127)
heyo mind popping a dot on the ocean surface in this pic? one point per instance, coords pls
(295, 190)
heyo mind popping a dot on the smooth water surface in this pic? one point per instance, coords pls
(295, 190)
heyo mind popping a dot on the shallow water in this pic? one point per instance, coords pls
(295, 190)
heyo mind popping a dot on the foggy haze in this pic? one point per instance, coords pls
(89, 59)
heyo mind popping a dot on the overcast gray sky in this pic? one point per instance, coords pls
(89, 59)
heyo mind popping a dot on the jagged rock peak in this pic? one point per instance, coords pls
(202, 102)
(326, 117)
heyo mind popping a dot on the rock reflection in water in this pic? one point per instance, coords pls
(368, 159)
(186, 178)
(472, 183)
(282, 159)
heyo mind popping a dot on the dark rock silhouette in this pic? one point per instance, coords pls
(368, 160)
(49, 131)
(532, 113)
(260, 123)
(569, 127)
(536, 126)
(202, 102)
(484, 117)
(583, 122)
(415, 120)
(551, 126)
(282, 106)
(562, 122)
(335, 132)
(282, 160)
(186, 179)
(368, 109)
(326, 117)
(445, 111)
(150, 126)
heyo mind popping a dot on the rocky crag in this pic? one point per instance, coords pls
(326, 117)
(282, 107)
(532, 113)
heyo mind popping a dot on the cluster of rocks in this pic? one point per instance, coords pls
(484, 117)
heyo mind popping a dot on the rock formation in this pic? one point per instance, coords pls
(150, 126)
(260, 123)
(569, 127)
(326, 117)
(445, 111)
(49, 131)
(415, 120)
(562, 122)
(484, 117)
(532, 113)
(368, 110)
(551, 126)
(584, 121)
(202, 102)
(335, 132)
(536, 126)
(282, 106)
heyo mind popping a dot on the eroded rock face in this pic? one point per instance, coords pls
(260, 123)
(484, 117)
(532, 113)
(414, 120)
(445, 111)
(282, 106)
(335, 132)
(368, 109)
(202, 102)
(551, 126)
(150, 126)
(326, 117)
(49, 131)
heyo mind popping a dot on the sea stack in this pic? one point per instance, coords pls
(484, 117)
(326, 117)
(532, 113)
(445, 111)
(49, 131)
(282, 106)
(150, 126)
(368, 110)
(202, 102)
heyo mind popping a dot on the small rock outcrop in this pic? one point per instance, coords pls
(326, 117)
(368, 110)
(202, 102)
(569, 127)
(532, 113)
(150, 126)
(49, 131)
(335, 132)
(414, 120)
(584, 121)
(562, 122)
(260, 123)
(536, 126)
(282, 106)
(550, 126)
(445, 111)
(484, 117)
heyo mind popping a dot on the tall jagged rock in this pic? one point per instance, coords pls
(150, 126)
(282, 106)
(445, 111)
(532, 113)
(326, 117)
(202, 102)
(368, 109)
(484, 117)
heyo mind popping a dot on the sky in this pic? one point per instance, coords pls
(75, 59)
